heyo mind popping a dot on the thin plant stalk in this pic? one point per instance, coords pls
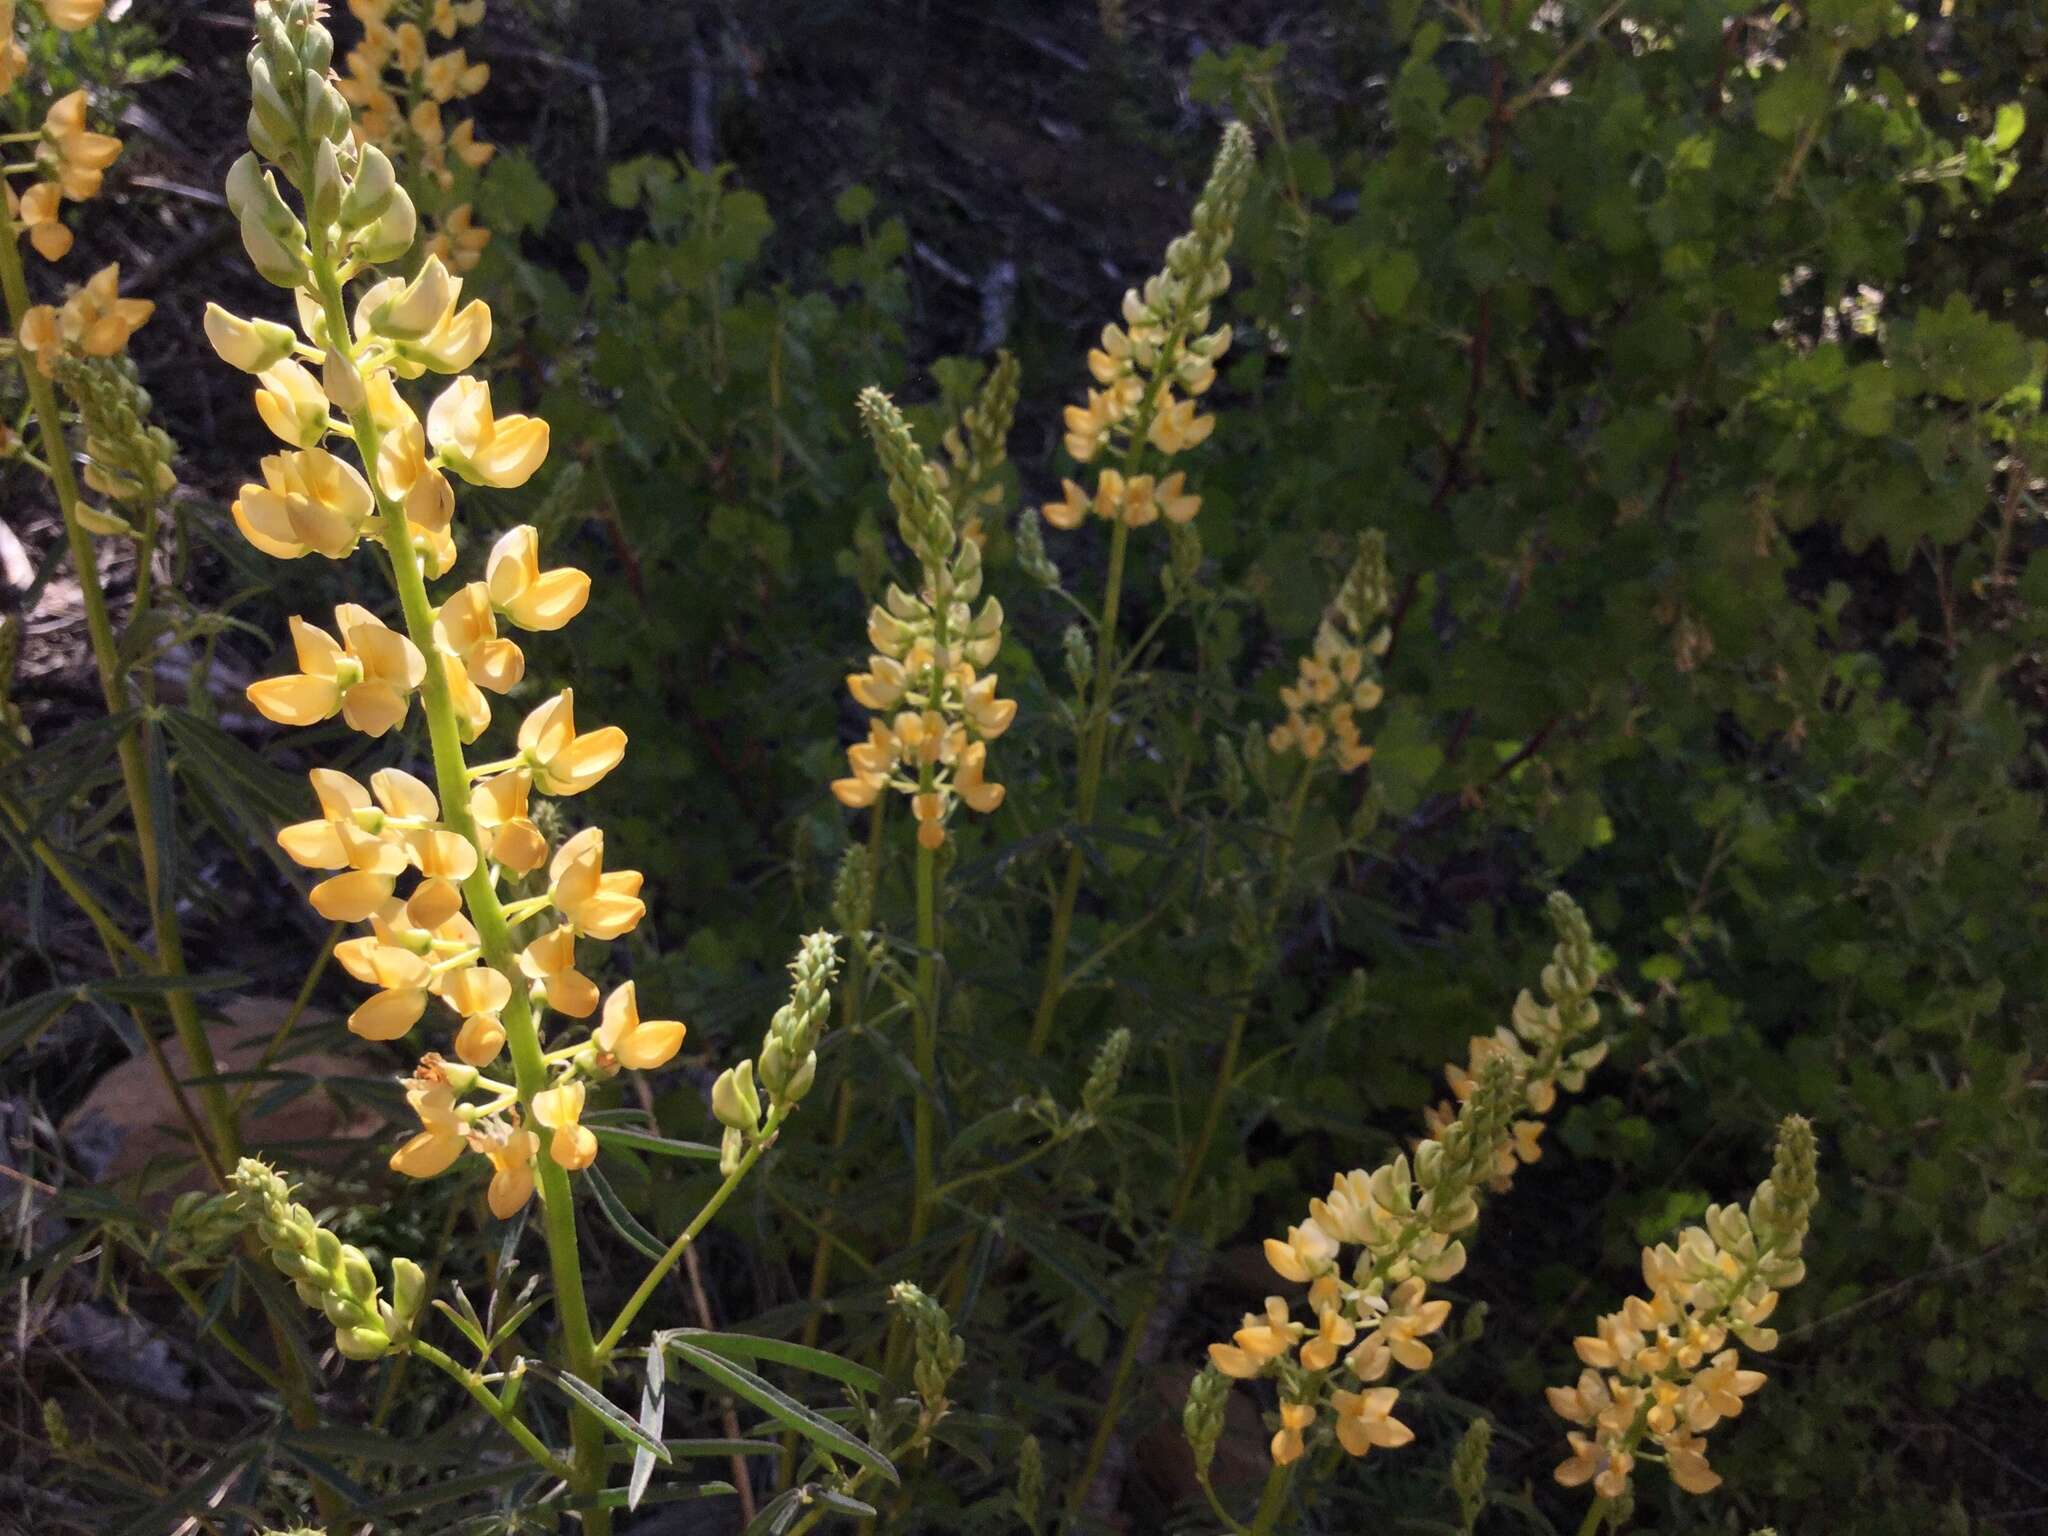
(1190, 1175)
(522, 1035)
(170, 947)
(1095, 741)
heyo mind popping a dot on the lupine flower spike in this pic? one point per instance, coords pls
(1667, 1367)
(1406, 1219)
(936, 710)
(1338, 679)
(421, 864)
(1154, 367)
(330, 1276)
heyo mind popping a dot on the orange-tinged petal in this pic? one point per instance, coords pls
(352, 897)
(653, 1044)
(388, 1015)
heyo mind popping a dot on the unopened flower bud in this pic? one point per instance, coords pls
(734, 1101)
(250, 345)
(370, 193)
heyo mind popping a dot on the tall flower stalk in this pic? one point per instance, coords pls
(936, 711)
(492, 924)
(1151, 369)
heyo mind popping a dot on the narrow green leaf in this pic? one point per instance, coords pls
(469, 1330)
(647, 1141)
(747, 1347)
(582, 1392)
(820, 1431)
(621, 1219)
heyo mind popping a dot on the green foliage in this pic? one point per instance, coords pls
(1692, 371)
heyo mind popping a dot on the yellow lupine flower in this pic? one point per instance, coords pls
(596, 904)
(292, 404)
(73, 15)
(96, 320)
(1363, 1420)
(366, 677)
(528, 596)
(310, 501)
(511, 1150)
(354, 835)
(480, 447)
(480, 1039)
(443, 1136)
(41, 338)
(1288, 1445)
(403, 469)
(642, 1044)
(564, 763)
(460, 241)
(499, 806)
(248, 345)
(560, 1110)
(401, 978)
(551, 961)
(1334, 1332)
(1071, 510)
(38, 210)
(466, 628)
(76, 155)
(465, 146)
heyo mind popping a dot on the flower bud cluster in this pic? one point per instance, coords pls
(70, 159)
(1338, 680)
(936, 709)
(1543, 1042)
(127, 459)
(331, 1276)
(978, 446)
(938, 1351)
(1153, 367)
(358, 463)
(753, 1099)
(402, 90)
(1663, 1368)
(1202, 1415)
(1405, 1219)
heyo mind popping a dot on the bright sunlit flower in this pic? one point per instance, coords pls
(365, 677)
(563, 762)
(482, 448)
(642, 1044)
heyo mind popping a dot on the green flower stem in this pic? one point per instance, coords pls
(669, 1260)
(471, 1383)
(1190, 1174)
(1092, 747)
(1272, 1501)
(1000, 1170)
(480, 893)
(1590, 1526)
(850, 999)
(1234, 1525)
(1095, 742)
(926, 1037)
(170, 945)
